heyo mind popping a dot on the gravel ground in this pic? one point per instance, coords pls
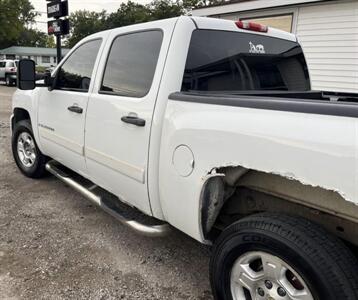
(55, 245)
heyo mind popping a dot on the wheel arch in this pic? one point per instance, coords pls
(230, 193)
(19, 114)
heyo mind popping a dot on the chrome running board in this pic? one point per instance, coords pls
(153, 230)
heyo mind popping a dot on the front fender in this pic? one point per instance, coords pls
(28, 100)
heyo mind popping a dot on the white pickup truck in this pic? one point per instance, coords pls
(210, 126)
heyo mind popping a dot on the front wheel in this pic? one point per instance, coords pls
(274, 256)
(27, 155)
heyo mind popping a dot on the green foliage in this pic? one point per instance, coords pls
(40, 69)
(15, 16)
(128, 13)
(35, 38)
(162, 9)
(84, 22)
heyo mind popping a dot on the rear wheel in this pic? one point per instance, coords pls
(272, 256)
(27, 155)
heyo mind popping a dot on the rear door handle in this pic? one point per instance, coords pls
(133, 120)
(75, 109)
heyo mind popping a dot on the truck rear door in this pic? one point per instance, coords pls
(121, 107)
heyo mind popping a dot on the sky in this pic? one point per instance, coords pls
(73, 5)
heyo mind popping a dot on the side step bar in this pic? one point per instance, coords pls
(156, 230)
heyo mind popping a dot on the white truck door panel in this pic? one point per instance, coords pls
(116, 150)
(62, 111)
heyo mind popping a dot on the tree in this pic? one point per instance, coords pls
(15, 16)
(128, 13)
(84, 23)
(162, 9)
(35, 38)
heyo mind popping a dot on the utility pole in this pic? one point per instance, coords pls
(58, 46)
(57, 9)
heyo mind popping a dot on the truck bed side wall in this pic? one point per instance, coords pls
(318, 150)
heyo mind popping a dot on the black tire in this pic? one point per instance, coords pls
(37, 170)
(326, 265)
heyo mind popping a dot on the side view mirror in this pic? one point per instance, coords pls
(26, 75)
(48, 80)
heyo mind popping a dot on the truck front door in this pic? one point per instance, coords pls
(120, 112)
(62, 111)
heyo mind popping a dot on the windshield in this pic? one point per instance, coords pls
(226, 61)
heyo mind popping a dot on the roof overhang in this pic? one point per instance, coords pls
(247, 5)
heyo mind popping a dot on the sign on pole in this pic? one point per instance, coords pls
(57, 9)
(58, 27)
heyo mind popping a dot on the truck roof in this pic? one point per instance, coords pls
(215, 24)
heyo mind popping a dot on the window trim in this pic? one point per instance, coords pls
(109, 52)
(64, 61)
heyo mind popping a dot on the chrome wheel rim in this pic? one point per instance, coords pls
(26, 149)
(7, 80)
(262, 276)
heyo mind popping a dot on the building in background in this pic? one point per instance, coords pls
(328, 31)
(45, 57)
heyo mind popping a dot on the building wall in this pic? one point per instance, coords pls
(328, 33)
(40, 60)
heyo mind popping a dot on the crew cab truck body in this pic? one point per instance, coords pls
(210, 126)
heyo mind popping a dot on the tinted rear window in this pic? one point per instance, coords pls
(234, 61)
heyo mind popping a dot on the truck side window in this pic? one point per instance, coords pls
(131, 64)
(75, 73)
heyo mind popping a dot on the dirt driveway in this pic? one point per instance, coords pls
(55, 245)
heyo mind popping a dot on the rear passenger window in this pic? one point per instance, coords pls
(131, 64)
(75, 73)
(2, 64)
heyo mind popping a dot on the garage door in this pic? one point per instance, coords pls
(329, 35)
